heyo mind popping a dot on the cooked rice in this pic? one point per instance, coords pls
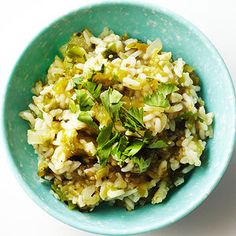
(69, 153)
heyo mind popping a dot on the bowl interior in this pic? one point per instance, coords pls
(142, 22)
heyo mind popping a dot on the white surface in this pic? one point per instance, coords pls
(20, 21)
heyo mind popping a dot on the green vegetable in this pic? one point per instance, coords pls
(105, 142)
(200, 101)
(78, 81)
(76, 51)
(93, 88)
(124, 150)
(158, 144)
(133, 148)
(111, 101)
(103, 154)
(158, 98)
(132, 119)
(140, 164)
(84, 100)
(119, 148)
(71, 206)
(87, 119)
(104, 135)
(115, 96)
(166, 89)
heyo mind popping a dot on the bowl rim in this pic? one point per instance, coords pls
(52, 211)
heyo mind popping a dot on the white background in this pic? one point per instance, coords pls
(20, 21)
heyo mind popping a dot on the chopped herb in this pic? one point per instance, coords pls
(84, 100)
(76, 51)
(78, 81)
(104, 135)
(111, 101)
(200, 101)
(115, 96)
(158, 144)
(133, 148)
(132, 119)
(58, 191)
(87, 119)
(71, 206)
(167, 89)
(119, 148)
(93, 88)
(140, 164)
(124, 36)
(103, 154)
(158, 98)
(105, 142)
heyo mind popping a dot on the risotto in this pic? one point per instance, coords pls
(116, 120)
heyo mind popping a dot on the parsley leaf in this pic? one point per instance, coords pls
(87, 119)
(158, 98)
(93, 88)
(105, 142)
(104, 135)
(124, 151)
(103, 154)
(167, 89)
(105, 98)
(158, 144)
(133, 148)
(111, 101)
(84, 100)
(78, 81)
(71, 206)
(132, 119)
(140, 164)
(119, 148)
(115, 96)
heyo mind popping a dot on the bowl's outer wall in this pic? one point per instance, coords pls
(143, 23)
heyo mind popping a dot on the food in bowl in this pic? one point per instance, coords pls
(117, 120)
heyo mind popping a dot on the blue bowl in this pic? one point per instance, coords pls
(144, 22)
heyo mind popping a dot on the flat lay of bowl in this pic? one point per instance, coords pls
(142, 21)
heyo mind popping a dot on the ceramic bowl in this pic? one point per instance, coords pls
(144, 22)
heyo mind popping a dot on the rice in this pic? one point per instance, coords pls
(116, 121)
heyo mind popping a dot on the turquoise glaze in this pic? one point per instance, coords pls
(142, 22)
